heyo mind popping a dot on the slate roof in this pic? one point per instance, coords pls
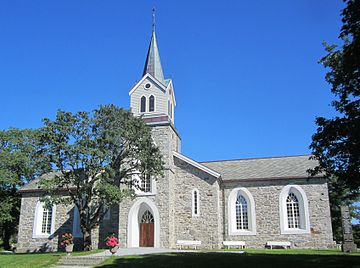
(33, 185)
(263, 168)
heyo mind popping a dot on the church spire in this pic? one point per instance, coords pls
(153, 64)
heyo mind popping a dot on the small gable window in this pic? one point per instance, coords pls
(143, 104)
(151, 103)
(195, 203)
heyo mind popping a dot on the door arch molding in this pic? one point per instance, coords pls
(134, 217)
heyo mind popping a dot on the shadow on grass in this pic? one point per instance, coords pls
(214, 259)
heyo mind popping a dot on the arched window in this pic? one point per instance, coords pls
(241, 212)
(242, 220)
(195, 203)
(294, 211)
(147, 217)
(143, 104)
(44, 220)
(151, 103)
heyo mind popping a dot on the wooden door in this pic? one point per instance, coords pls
(146, 234)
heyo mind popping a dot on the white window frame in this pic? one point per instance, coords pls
(303, 210)
(197, 214)
(152, 95)
(137, 189)
(37, 225)
(146, 100)
(232, 212)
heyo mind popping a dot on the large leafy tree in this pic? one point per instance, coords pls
(336, 144)
(21, 161)
(94, 154)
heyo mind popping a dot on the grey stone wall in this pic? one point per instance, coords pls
(63, 223)
(26, 242)
(266, 196)
(167, 140)
(205, 227)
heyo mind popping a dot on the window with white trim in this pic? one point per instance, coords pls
(44, 220)
(143, 104)
(242, 220)
(146, 184)
(143, 185)
(151, 103)
(195, 203)
(294, 211)
(241, 212)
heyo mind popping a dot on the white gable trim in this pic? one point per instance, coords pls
(157, 82)
(196, 164)
(172, 93)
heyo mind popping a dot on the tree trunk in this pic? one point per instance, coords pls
(7, 232)
(87, 240)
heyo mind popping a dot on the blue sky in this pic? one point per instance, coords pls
(245, 73)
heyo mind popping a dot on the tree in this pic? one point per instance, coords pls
(94, 154)
(340, 195)
(21, 162)
(336, 143)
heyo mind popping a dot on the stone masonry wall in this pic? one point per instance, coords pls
(26, 242)
(167, 141)
(204, 227)
(266, 196)
(63, 223)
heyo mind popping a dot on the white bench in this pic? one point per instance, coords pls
(188, 243)
(240, 244)
(283, 244)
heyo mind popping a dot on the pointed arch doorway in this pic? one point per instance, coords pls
(147, 230)
(143, 224)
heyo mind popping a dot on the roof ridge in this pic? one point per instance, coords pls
(255, 158)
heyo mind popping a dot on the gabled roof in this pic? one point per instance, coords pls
(154, 80)
(285, 167)
(153, 64)
(33, 186)
(196, 164)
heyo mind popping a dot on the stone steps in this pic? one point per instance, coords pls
(81, 260)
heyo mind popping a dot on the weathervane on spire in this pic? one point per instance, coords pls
(153, 19)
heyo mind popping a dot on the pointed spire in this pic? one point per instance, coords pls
(153, 64)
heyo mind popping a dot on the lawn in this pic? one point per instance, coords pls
(251, 258)
(31, 260)
(35, 260)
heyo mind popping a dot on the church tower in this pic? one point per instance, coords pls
(153, 96)
(153, 99)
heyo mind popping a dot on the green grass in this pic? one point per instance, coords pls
(36, 260)
(28, 260)
(251, 258)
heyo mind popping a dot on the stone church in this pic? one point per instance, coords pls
(206, 204)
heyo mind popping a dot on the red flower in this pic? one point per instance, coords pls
(112, 241)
